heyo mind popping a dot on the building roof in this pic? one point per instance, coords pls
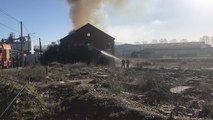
(88, 28)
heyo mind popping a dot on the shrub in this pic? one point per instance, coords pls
(147, 82)
(207, 110)
(36, 73)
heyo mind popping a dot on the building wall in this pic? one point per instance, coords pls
(187, 49)
(85, 45)
(97, 38)
(196, 52)
(185, 45)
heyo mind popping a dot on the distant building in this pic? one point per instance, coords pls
(28, 49)
(162, 50)
(181, 45)
(85, 45)
(27, 46)
(125, 50)
(186, 49)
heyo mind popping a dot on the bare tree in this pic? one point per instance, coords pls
(163, 40)
(184, 40)
(154, 41)
(173, 41)
(11, 38)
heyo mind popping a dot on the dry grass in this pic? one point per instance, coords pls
(32, 73)
(207, 110)
(76, 65)
(149, 87)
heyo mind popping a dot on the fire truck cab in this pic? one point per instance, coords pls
(5, 56)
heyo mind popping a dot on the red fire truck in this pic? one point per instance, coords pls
(5, 55)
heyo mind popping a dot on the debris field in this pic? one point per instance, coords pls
(78, 91)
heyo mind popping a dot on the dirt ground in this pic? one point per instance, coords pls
(164, 89)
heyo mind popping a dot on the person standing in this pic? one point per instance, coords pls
(123, 63)
(127, 63)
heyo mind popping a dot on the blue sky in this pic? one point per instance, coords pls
(137, 21)
(49, 19)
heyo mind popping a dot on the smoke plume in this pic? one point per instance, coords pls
(92, 11)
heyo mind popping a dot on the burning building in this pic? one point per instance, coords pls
(85, 45)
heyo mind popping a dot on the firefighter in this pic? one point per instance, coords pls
(123, 63)
(127, 63)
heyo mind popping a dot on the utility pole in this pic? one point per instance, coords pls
(40, 45)
(28, 43)
(22, 54)
(40, 49)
